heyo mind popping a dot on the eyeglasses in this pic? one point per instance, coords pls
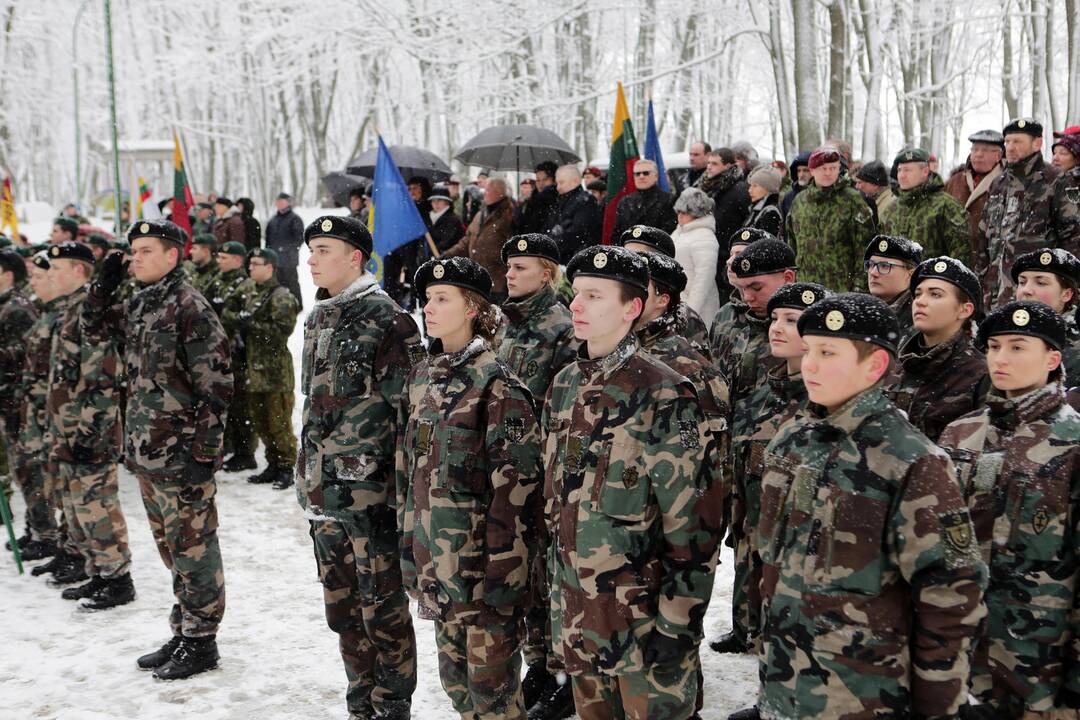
(257, 263)
(642, 173)
(882, 266)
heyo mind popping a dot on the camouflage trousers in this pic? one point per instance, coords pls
(271, 415)
(96, 527)
(660, 692)
(240, 435)
(368, 609)
(183, 520)
(740, 609)
(537, 648)
(29, 474)
(480, 669)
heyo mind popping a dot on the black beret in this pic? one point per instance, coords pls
(531, 245)
(1052, 260)
(653, 237)
(164, 229)
(204, 239)
(611, 262)
(764, 257)
(1026, 125)
(797, 296)
(347, 229)
(665, 272)
(13, 262)
(853, 316)
(69, 224)
(1023, 317)
(222, 200)
(548, 167)
(896, 247)
(26, 250)
(41, 260)
(987, 137)
(951, 271)
(71, 250)
(458, 271)
(749, 235)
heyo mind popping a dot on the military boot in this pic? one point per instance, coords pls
(57, 562)
(750, 713)
(240, 462)
(284, 479)
(73, 571)
(192, 656)
(84, 590)
(554, 705)
(21, 542)
(730, 642)
(266, 476)
(38, 550)
(159, 657)
(537, 682)
(110, 593)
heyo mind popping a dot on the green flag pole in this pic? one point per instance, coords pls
(112, 109)
(5, 513)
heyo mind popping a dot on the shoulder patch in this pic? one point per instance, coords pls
(688, 435)
(515, 428)
(958, 538)
(416, 353)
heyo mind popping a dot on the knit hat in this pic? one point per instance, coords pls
(767, 177)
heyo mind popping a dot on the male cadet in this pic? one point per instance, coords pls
(63, 229)
(633, 514)
(268, 321)
(760, 270)
(84, 435)
(179, 386)
(99, 245)
(642, 238)
(872, 581)
(924, 213)
(358, 348)
(890, 262)
(204, 270)
(1028, 208)
(229, 295)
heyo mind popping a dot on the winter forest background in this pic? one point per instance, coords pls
(272, 94)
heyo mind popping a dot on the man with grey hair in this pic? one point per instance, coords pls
(580, 217)
(490, 228)
(746, 157)
(648, 205)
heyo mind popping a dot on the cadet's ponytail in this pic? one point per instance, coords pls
(486, 322)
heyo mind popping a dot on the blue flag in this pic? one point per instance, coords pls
(652, 150)
(397, 221)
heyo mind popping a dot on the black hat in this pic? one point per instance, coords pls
(357, 192)
(204, 239)
(1052, 260)
(11, 261)
(1023, 317)
(41, 260)
(222, 200)
(797, 296)
(531, 245)
(284, 196)
(764, 257)
(547, 167)
(873, 172)
(440, 192)
(1026, 125)
(68, 224)
(951, 271)
(70, 250)
(653, 237)
(204, 206)
(987, 137)
(458, 271)
(164, 229)
(98, 240)
(598, 185)
(665, 272)
(349, 230)
(610, 262)
(896, 247)
(853, 316)
(748, 235)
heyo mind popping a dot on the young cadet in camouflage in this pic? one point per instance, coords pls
(267, 322)
(872, 581)
(924, 213)
(468, 493)
(827, 224)
(358, 347)
(1029, 208)
(203, 266)
(179, 384)
(890, 261)
(731, 316)
(1052, 276)
(940, 375)
(85, 438)
(632, 512)
(1018, 460)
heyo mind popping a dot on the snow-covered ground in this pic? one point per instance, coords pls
(279, 659)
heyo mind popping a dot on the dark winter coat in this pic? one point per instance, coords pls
(579, 223)
(652, 207)
(731, 208)
(540, 213)
(765, 215)
(484, 239)
(447, 230)
(285, 235)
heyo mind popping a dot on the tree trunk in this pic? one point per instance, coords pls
(837, 69)
(807, 93)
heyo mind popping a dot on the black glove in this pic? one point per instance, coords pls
(661, 649)
(82, 455)
(112, 273)
(199, 473)
(1068, 699)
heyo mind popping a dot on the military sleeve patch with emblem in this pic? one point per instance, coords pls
(688, 435)
(515, 428)
(957, 538)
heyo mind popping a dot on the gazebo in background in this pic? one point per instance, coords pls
(150, 159)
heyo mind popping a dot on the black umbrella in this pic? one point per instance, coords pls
(411, 161)
(515, 147)
(340, 184)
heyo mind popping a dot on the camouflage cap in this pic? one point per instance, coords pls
(911, 155)
(987, 137)
(349, 230)
(951, 271)
(1052, 260)
(268, 254)
(764, 257)
(797, 296)
(11, 261)
(665, 272)
(610, 262)
(894, 246)
(71, 250)
(852, 316)
(1023, 317)
(68, 224)
(653, 237)
(457, 271)
(163, 229)
(531, 245)
(97, 240)
(204, 239)
(1025, 125)
(233, 248)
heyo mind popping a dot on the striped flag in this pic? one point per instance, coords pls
(624, 153)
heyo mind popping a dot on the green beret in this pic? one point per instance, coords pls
(912, 155)
(66, 223)
(233, 248)
(268, 254)
(204, 239)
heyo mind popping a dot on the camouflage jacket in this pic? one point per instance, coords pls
(931, 217)
(829, 228)
(901, 307)
(177, 364)
(537, 340)
(1070, 354)
(203, 278)
(229, 295)
(17, 316)
(358, 348)
(1018, 461)
(740, 344)
(34, 388)
(1029, 208)
(268, 321)
(693, 328)
(633, 518)
(872, 580)
(84, 399)
(936, 385)
(468, 486)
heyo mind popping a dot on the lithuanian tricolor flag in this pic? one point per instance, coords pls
(182, 199)
(142, 196)
(624, 153)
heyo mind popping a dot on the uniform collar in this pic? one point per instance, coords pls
(783, 385)
(1009, 413)
(662, 327)
(443, 363)
(851, 414)
(530, 306)
(363, 285)
(162, 287)
(1025, 167)
(920, 360)
(611, 362)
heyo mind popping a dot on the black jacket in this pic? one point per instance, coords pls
(579, 225)
(541, 213)
(285, 235)
(652, 207)
(765, 215)
(447, 230)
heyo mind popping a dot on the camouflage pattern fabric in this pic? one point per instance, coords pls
(17, 316)
(268, 320)
(537, 339)
(872, 580)
(901, 307)
(205, 277)
(271, 413)
(1018, 461)
(928, 215)
(1070, 354)
(662, 692)
(96, 528)
(480, 669)
(829, 228)
(230, 296)
(693, 328)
